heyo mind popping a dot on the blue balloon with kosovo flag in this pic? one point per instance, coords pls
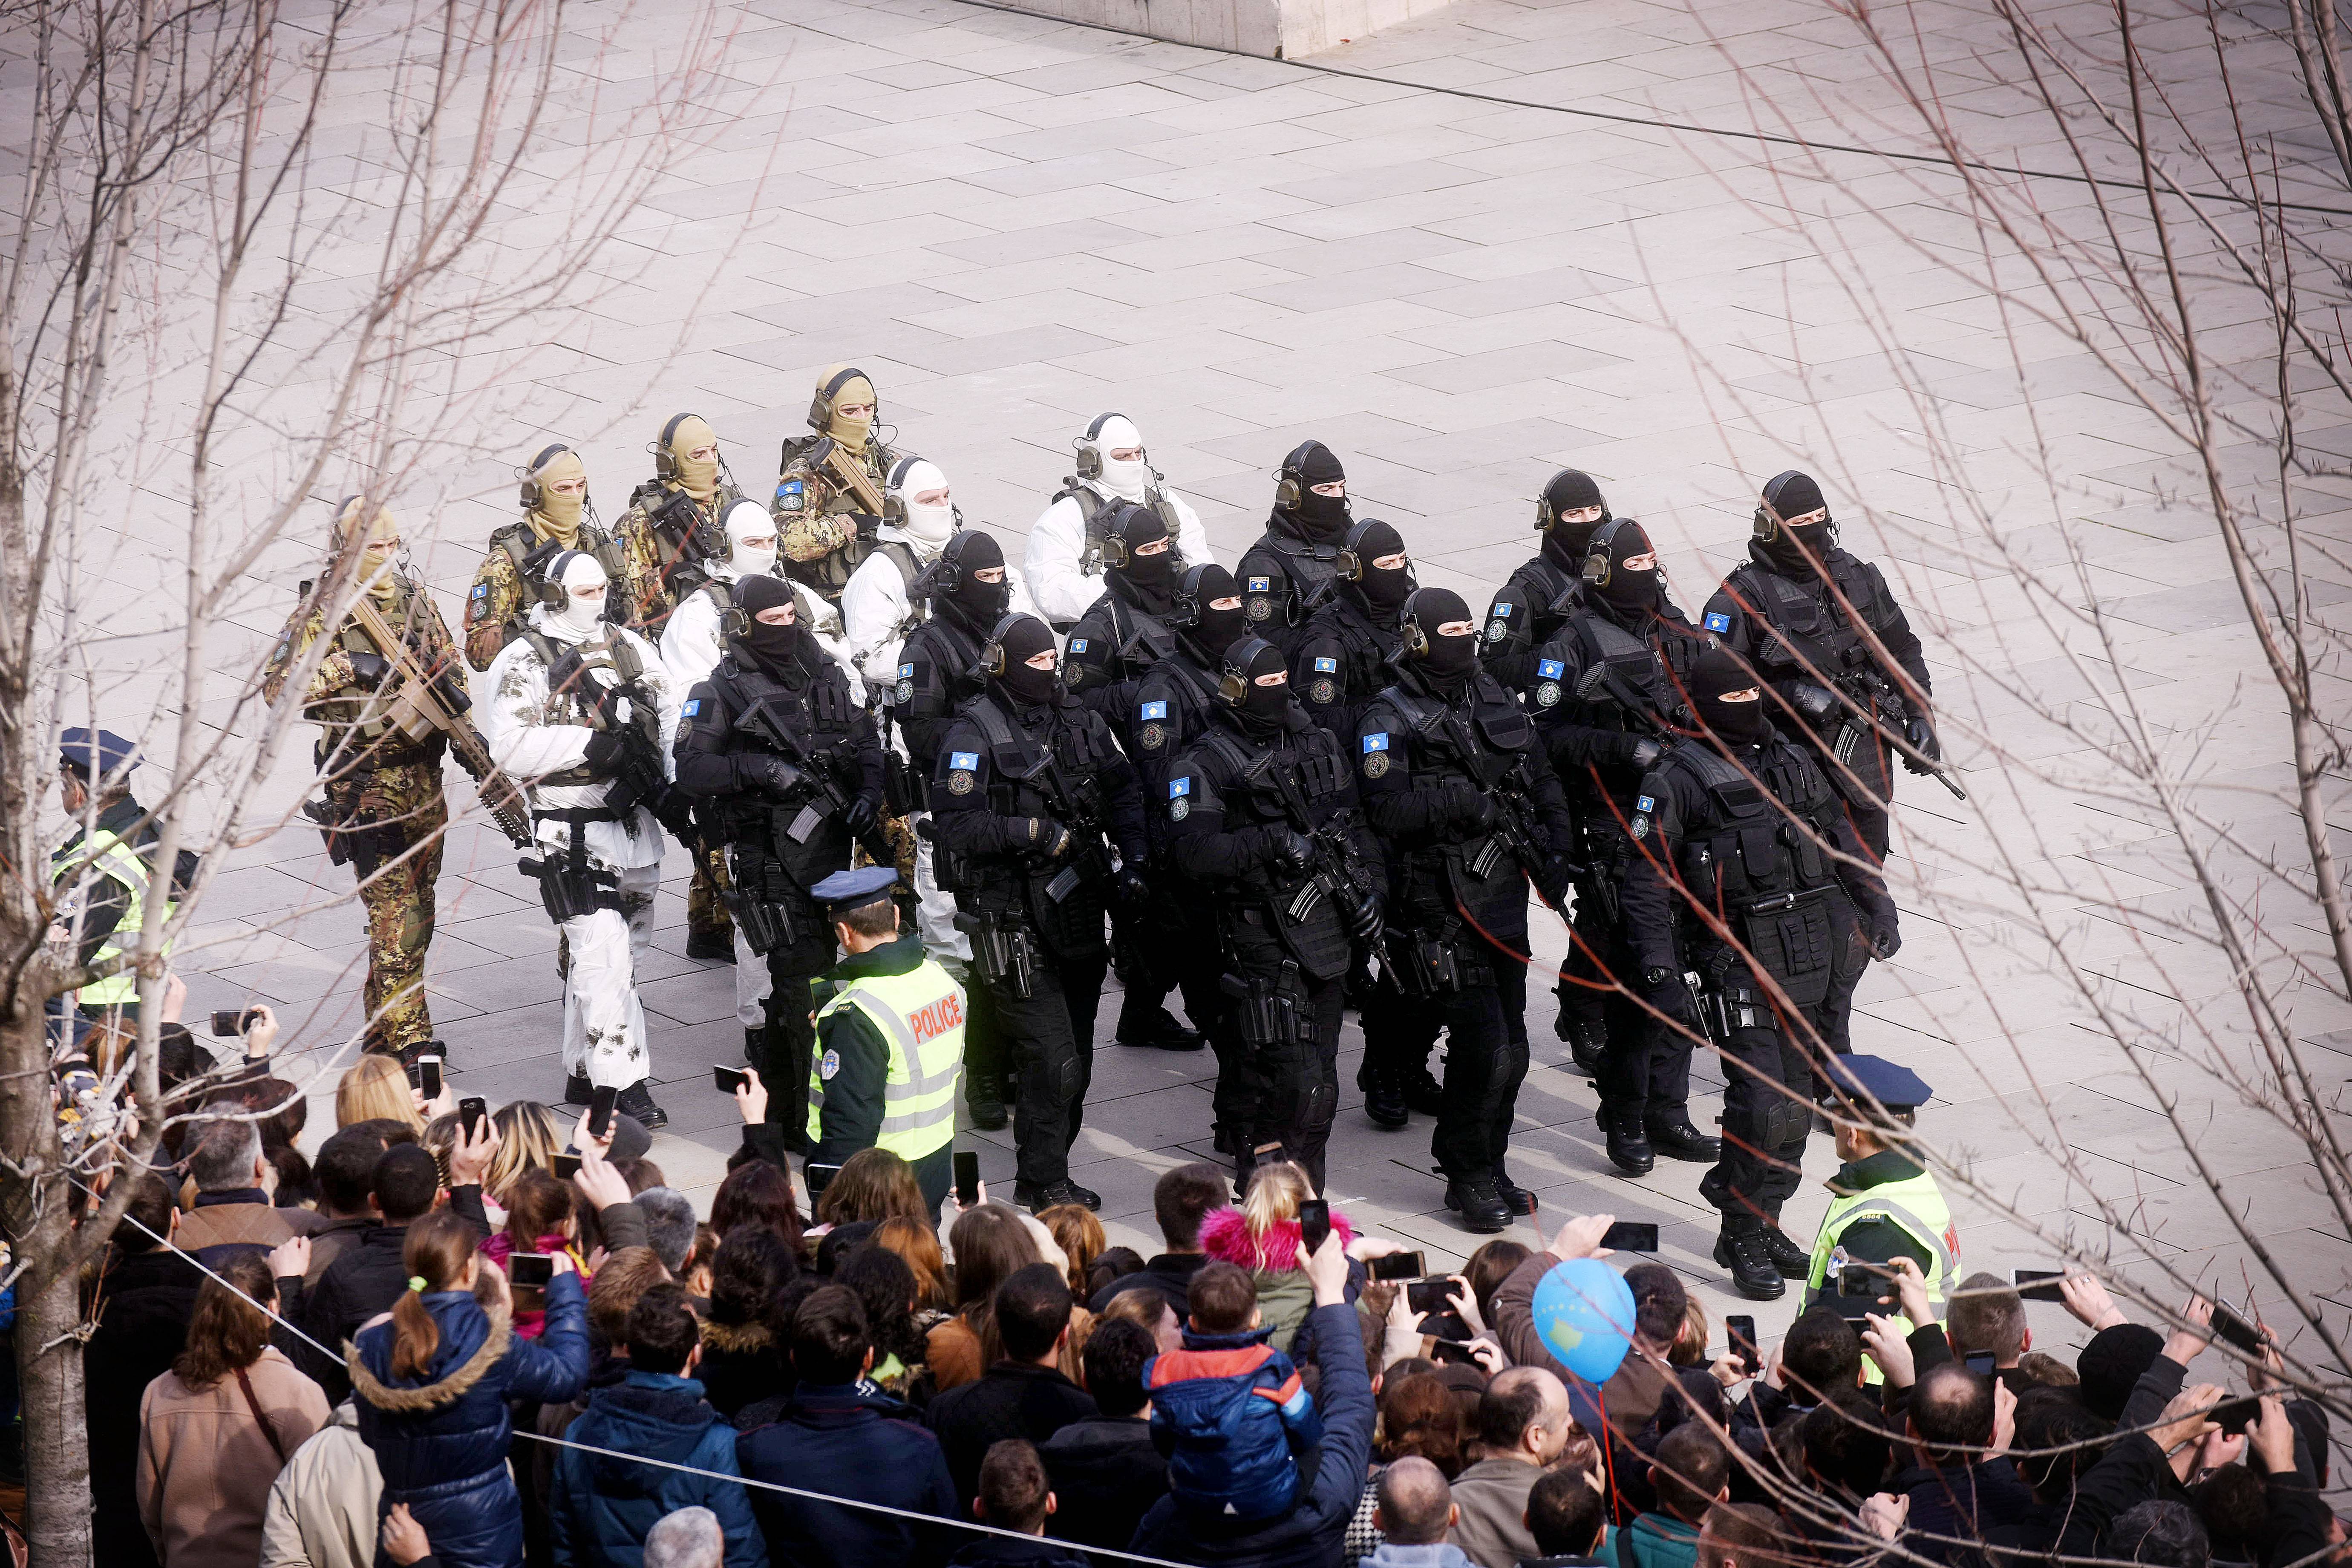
(1584, 1315)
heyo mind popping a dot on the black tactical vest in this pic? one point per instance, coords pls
(1756, 858)
(1485, 727)
(819, 715)
(1297, 783)
(1068, 910)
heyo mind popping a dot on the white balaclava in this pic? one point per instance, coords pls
(577, 621)
(931, 526)
(1117, 433)
(746, 519)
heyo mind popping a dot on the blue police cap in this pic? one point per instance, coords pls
(97, 753)
(1865, 1078)
(846, 890)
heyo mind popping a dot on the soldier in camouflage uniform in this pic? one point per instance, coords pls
(669, 538)
(556, 516)
(671, 528)
(383, 810)
(824, 528)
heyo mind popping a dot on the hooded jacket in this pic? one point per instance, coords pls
(602, 1508)
(1284, 1296)
(1233, 1417)
(1106, 1472)
(440, 1437)
(846, 1442)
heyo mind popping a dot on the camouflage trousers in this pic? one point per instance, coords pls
(396, 816)
(706, 902)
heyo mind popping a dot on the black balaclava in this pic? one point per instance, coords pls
(775, 649)
(1319, 517)
(1264, 710)
(978, 605)
(1144, 578)
(1630, 596)
(1379, 592)
(1446, 663)
(1571, 489)
(1211, 630)
(1791, 493)
(1715, 672)
(1022, 638)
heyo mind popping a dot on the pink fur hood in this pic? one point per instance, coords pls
(1224, 1234)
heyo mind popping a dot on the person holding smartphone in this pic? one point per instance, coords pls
(889, 1041)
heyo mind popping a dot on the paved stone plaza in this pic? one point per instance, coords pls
(1015, 225)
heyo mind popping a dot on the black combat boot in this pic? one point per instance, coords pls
(1522, 1201)
(1384, 1099)
(1677, 1139)
(983, 1097)
(577, 1090)
(1792, 1260)
(1480, 1204)
(1588, 1043)
(1422, 1092)
(1628, 1143)
(1740, 1249)
(637, 1100)
(1053, 1195)
(712, 946)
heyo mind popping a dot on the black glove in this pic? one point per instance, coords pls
(604, 752)
(1364, 923)
(369, 669)
(1815, 702)
(765, 770)
(1922, 737)
(1666, 993)
(860, 817)
(1646, 753)
(1292, 852)
(1133, 891)
(1467, 809)
(1048, 838)
(1885, 936)
(1553, 885)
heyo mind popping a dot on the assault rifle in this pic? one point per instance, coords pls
(814, 779)
(1089, 835)
(424, 703)
(641, 778)
(1337, 870)
(1882, 711)
(1516, 833)
(829, 454)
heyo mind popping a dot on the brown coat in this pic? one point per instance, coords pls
(205, 1466)
(219, 1225)
(1633, 1393)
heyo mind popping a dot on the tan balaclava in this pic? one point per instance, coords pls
(843, 383)
(559, 515)
(377, 565)
(699, 479)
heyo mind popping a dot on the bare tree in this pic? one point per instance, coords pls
(254, 256)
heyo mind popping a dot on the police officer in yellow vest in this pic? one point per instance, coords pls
(98, 873)
(890, 1041)
(1885, 1205)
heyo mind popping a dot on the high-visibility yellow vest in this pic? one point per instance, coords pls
(919, 1014)
(111, 855)
(1915, 1204)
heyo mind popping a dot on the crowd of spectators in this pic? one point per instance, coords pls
(363, 1370)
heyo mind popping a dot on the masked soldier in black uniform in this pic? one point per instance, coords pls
(1608, 693)
(1262, 812)
(1527, 613)
(1458, 788)
(1742, 838)
(1344, 651)
(1840, 661)
(1026, 787)
(1123, 635)
(789, 770)
(1286, 573)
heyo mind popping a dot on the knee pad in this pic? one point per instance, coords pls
(1318, 1105)
(1065, 1079)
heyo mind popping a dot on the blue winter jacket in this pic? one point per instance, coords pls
(1230, 1412)
(846, 1440)
(601, 1509)
(440, 1439)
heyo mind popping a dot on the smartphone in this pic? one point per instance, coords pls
(2235, 1415)
(1442, 1351)
(529, 1268)
(234, 1022)
(2235, 1330)
(428, 1077)
(1397, 1266)
(470, 1111)
(2038, 1284)
(566, 1167)
(1854, 1309)
(1980, 1362)
(967, 1177)
(1631, 1235)
(1740, 1332)
(600, 1110)
(729, 1079)
(1429, 1295)
(1314, 1226)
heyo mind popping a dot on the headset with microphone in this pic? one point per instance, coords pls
(1768, 521)
(819, 414)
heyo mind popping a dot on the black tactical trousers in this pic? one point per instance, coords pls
(1486, 1062)
(983, 1037)
(1870, 826)
(1587, 1004)
(789, 1037)
(1767, 1115)
(1289, 1091)
(1171, 943)
(1647, 1065)
(1049, 1042)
